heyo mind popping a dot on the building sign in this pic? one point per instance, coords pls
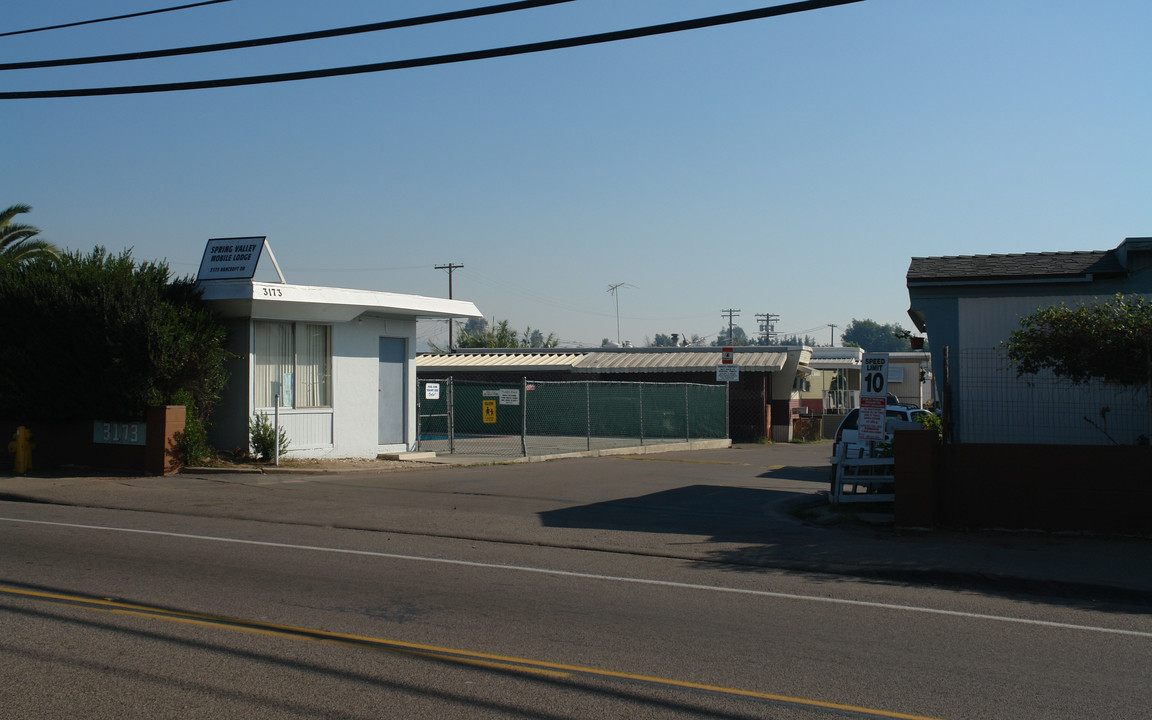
(873, 396)
(727, 373)
(230, 258)
(489, 412)
(119, 433)
(510, 397)
(432, 391)
(507, 396)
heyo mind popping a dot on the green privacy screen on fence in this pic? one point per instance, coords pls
(535, 417)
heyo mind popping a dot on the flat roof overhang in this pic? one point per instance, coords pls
(279, 301)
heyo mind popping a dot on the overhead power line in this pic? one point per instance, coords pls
(109, 19)
(439, 59)
(281, 39)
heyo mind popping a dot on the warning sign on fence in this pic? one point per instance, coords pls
(489, 411)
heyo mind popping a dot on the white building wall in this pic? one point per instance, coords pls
(350, 428)
(355, 385)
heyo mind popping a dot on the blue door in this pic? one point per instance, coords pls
(393, 390)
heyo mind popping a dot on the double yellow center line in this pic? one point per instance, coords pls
(468, 657)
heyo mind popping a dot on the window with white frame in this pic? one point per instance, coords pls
(292, 364)
(895, 373)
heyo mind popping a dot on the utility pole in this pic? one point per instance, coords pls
(449, 267)
(730, 314)
(767, 326)
(832, 335)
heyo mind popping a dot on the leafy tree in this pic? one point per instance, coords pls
(795, 340)
(739, 337)
(18, 241)
(99, 337)
(874, 337)
(533, 338)
(1111, 341)
(477, 333)
(677, 340)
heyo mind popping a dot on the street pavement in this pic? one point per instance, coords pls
(744, 506)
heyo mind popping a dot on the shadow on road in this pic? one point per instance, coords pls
(727, 514)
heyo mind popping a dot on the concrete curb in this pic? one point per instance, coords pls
(412, 461)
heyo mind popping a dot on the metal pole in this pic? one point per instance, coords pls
(687, 413)
(276, 426)
(641, 414)
(946, 399)
(451, 417)
(588, 412)
(727, 412)
(524, 417)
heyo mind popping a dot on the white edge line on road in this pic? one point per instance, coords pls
(594, 576)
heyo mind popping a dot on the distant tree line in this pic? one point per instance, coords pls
(478, 333)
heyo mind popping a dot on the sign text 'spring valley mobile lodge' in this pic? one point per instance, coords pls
(339, 363)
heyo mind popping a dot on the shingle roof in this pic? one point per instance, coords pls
(1023, 266)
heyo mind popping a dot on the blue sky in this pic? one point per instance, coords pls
(790, 165)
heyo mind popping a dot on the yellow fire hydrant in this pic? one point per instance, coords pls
(23, 446)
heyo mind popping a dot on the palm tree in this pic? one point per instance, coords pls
(18, 241)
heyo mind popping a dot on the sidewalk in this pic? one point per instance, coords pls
(747, 508)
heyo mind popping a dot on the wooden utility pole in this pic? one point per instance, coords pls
(730, 314)
(449, 267)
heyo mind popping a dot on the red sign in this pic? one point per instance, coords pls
(726, 356)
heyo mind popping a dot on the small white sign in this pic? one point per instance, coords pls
(509, 397)
(727, 373)
(432, 391)
(230, 258)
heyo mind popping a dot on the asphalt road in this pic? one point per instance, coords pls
(586, 589)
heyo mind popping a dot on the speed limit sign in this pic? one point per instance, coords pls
(873, 396)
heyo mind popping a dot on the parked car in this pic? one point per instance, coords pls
(847, 433)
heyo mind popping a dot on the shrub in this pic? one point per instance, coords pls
(101, 336)
(264, 437)
(931, 421)
(192, 446)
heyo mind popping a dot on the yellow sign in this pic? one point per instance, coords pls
(489, 411)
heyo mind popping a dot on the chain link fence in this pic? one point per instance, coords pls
(993, 405)
(473, 417)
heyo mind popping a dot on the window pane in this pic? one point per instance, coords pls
(272, 364)
(314, 366)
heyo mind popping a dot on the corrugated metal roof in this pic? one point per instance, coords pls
(834, 363)
(684, 361)
(590, 361)
(498, 361)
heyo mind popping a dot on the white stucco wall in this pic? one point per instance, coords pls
(350, 428)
